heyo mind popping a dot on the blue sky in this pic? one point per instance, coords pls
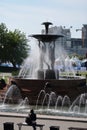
(27, 15)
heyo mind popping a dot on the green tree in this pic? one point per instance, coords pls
(14, 47)
(3, 35)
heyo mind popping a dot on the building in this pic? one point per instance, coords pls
(79, 45)
(70, 45)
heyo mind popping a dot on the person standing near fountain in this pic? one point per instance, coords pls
(2, 83)
(31, 119)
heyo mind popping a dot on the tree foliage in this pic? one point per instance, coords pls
(14, 46)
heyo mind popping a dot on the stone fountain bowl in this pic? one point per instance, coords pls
(70, 86)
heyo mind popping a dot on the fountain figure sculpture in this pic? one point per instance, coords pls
(46, 43)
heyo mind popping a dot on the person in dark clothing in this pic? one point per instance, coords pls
(2, 83)
(31, 119)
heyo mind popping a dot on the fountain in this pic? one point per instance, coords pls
(71, 86)
(48, 92)
(46, 89)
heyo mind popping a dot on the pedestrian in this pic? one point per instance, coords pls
(2, 83)
(31, 119)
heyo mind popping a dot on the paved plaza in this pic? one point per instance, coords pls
(63, 122)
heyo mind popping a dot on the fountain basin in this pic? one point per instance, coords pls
(46, 38)
(70, 86)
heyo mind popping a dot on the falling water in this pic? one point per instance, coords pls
(40, 94)
(82, 101)
(58, 102)
(45, 99)
(85, 107)
(69, 67)
(13, 95)
(31, 63)
(65, 102)
(53, 104)
(23, 104)
(52, 99)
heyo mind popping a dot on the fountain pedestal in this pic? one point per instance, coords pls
(48, 74)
